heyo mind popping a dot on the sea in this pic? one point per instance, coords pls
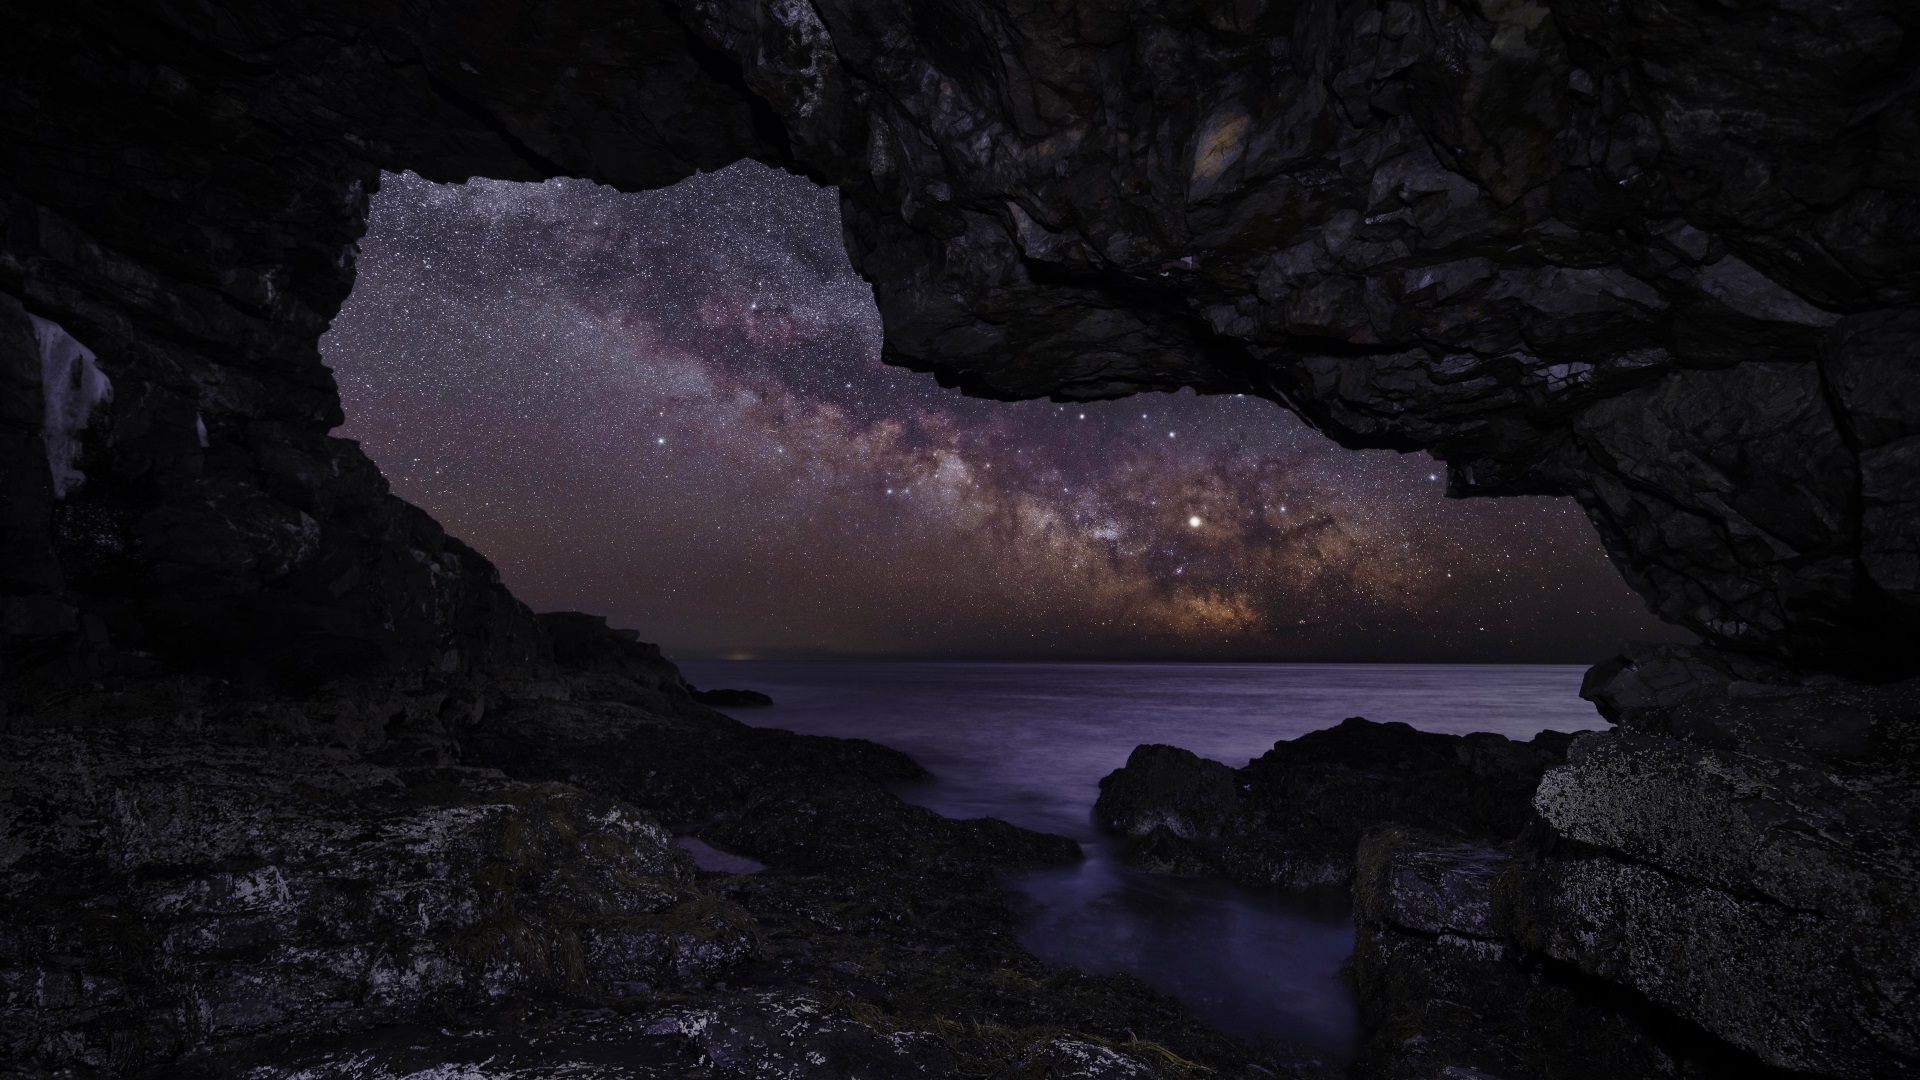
(1029, 742)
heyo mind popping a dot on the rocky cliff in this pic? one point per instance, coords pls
(184, 189)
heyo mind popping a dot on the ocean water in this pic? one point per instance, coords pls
(1028, 743)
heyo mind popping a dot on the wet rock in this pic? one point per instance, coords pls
(1421, 883)
(1078, 1059)
(168, 895)
(865, 828)
(1293, 816)
(1173, 805)
(784, 1034)
(197, 879)
(804, 803)
(768, 1034)
(1719, 887)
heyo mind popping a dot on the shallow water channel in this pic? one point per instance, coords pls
(1028, 743)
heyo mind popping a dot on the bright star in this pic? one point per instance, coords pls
(1194, 522)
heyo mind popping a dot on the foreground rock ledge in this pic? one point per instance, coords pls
(1747, 857)
(1724, 885)
(376, 878)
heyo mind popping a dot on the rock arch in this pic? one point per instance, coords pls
(1660, 259)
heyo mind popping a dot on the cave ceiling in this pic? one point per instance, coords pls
(1659, 255)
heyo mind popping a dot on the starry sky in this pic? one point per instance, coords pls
(669, 408)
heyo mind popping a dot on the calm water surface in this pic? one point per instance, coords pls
(1028, 743)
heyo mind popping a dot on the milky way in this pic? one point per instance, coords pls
(669, 408)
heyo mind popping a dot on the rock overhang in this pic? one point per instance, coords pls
(1526, 238)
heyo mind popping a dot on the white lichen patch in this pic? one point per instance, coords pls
(71, 384)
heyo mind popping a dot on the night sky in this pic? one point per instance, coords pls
(669, 409)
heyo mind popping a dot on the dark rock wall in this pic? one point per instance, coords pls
(184, 186)
(1446, 992)
(1741, 854)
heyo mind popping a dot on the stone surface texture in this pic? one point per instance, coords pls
(1726, 880)
(1444, 990)
(167, 894)
(1745, 857)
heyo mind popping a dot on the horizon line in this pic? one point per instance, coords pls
(751, 655)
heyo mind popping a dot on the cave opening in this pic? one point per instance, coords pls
(292, 785)
(671, 407)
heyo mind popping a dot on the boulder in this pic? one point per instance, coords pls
(1294, 816)
(1723, 886)
(1743, 855)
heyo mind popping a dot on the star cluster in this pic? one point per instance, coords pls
(669, 408)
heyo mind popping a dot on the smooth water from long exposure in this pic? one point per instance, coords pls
(1028, 743)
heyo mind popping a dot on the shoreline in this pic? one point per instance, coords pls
(548, 911)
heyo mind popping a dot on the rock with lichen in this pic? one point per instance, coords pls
(169, 895)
